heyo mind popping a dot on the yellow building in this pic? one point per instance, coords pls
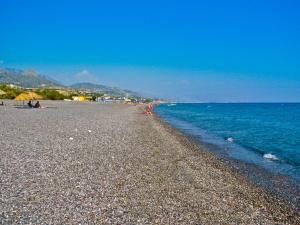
(79, 98)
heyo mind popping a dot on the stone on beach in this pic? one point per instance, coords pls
(132, 170)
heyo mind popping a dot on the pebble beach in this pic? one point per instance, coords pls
(89, 163)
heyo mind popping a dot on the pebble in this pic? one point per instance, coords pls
(134, 170)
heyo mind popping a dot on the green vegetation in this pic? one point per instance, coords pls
(148, 100)
(49, 94)
(10, 92)
(96, 95)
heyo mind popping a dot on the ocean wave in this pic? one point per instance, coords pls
(230, 139)
(270, 156)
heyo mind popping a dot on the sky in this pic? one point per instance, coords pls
(194, 51)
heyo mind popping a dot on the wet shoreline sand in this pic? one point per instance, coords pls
(121, 167)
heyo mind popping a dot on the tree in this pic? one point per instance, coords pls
(10, 92)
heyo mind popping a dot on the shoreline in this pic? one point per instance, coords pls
(241, 170)
(282, 186)
(265, 150)
(130, 169)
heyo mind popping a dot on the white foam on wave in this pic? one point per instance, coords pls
(230, 139)
(270, 156)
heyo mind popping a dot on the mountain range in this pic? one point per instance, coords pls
(32, 79)
(25, 78)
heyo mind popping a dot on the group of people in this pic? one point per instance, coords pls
(37, 105)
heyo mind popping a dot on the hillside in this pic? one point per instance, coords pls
(25, 78)
(31, 79)
(98, 88)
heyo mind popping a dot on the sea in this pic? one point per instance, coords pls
(266, 135)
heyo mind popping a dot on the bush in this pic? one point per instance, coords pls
(49, 94)
(10, 93)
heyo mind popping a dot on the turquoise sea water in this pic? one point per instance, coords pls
(264, 134)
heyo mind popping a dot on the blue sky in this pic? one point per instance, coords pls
(182, 50)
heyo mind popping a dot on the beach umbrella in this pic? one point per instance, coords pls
(22, 97)
(28, 96)
(34, 96)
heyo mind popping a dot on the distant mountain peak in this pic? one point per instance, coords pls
(31, 73)
(27, 79)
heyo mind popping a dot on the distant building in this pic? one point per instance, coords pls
(13, 86)
(79, 98)
(110, 99)
(104, 99)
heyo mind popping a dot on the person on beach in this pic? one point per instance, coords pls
(2, 103)
(37, 105)
(149, 109)
(30, 104)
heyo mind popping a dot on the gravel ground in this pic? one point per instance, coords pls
(84, 163)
